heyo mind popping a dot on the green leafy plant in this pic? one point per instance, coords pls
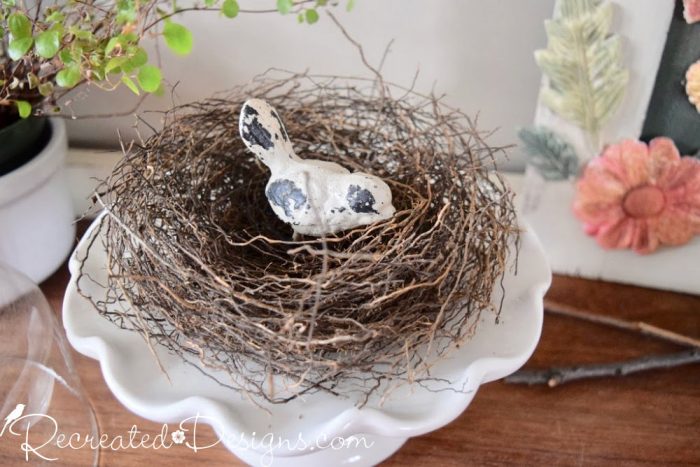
(45, 52)
(548, 153)
(583, 64)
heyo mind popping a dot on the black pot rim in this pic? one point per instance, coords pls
(38, 138)
(35, 172)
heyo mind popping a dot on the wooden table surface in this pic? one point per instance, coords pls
(644, 419)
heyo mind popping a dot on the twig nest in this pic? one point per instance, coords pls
(200, 263)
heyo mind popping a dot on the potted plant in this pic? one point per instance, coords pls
(46, 52)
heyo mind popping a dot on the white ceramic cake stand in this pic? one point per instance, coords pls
(296, 433)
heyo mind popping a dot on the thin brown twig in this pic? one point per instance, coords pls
(378, 75)
(635, 326)
(122, 113)
(559, 375)
(165, 17)
(555, 376)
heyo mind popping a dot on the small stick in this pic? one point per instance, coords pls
(636, 326)
(358, 46)
(556, 376)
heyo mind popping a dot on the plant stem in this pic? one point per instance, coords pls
(199, 8)
(594, 145)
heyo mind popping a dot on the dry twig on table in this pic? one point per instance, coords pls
(556, 376)
(635, 326)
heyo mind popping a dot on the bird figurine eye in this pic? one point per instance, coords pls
(315, 197)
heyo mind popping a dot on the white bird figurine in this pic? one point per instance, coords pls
(315, 197)
(12, 416)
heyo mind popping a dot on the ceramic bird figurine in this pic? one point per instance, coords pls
(315, 197)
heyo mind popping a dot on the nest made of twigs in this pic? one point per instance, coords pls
(199, 263)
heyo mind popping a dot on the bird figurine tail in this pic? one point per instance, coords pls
(262, 130)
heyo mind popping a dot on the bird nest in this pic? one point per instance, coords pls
(199, 263)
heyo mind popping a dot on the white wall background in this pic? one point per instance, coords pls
(478, 52)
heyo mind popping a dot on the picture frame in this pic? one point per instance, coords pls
(643, 26)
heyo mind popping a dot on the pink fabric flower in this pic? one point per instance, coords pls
(640, 197)
(691, 12)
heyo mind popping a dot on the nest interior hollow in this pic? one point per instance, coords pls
(199, 263)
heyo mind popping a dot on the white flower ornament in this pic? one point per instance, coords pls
(178, 436)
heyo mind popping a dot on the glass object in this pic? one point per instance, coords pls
(45, 416)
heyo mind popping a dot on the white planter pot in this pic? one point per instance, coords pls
(36, 213)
